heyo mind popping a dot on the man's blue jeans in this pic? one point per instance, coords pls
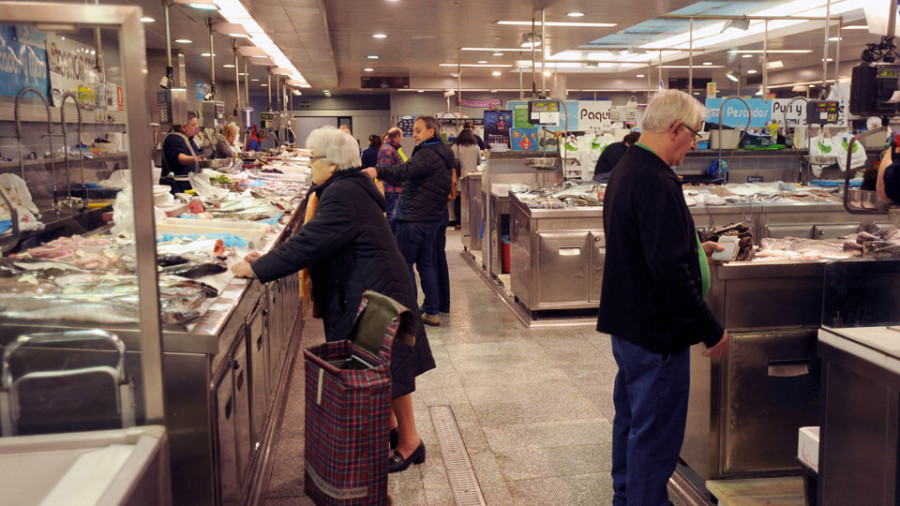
(392, 201)
(416, 240)
(651, 398)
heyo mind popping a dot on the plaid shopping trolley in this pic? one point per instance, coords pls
(348, 399)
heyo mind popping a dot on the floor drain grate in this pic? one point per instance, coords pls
(460, 472)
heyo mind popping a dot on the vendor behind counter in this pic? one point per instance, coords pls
(180, 156)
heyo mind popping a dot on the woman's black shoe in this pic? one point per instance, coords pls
(397, 463)
(394, 437)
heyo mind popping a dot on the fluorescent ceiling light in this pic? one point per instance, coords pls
(235, 12)
(774, 51)
(242, 73)
(575, 14)
(264, 85)
(474, 65)
(491, 49)
(228, 65)
(184, 41)
(255, 80)
(640, 75)
(751, 71)
(421, 91)
(252, 51)
(372, 57)
(482, 61)
(777, 64)
(369, 69)
(826, 59)
(707, 63)
(556, 23)
(298, 92)
(379, 36)
(497, 54)
(548, 73)
(232, 30)
(147, 19)
(746, 56)
(207, 55)
(732, 77)
(496, 73)
(835, 39)
(268, 62)
(203, 5)
(758, 92)
(855, 27)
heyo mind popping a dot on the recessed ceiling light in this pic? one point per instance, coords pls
(498, 54)
(147, 19)
(228, 65)
(264, 85)
(369, 69)
(421, 91)
(835, 39)
(255, 80)
(575, 14)
(242, 73)
(855, 27)
(372, 57)
(379, 36)
(482, 61)
(184, 41)
(206, 54)
(640, 75)
(496, 73)
(826, 59)
(547, 73)
(777, 64)
(707, 63)
(751, 71)
(454, 74)
(746, 56)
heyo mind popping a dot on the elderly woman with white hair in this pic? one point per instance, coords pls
(349, 248)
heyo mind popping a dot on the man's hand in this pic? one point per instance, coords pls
(252, 257)
(719, 349)
(371, 172)
(242, 270)
(710, 247)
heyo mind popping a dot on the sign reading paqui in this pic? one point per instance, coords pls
(594, 114)
(22, 65)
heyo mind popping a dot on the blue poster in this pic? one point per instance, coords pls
(735, 112)
(21, 65)
(405, 123)
(521, 109)
(525, 139)
(496, 127)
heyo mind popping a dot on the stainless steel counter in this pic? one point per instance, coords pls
(225, 377)
(472, 210)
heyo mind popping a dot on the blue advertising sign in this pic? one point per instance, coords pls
(735, 112)
(21, 65)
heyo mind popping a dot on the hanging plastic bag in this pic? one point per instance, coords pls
(841, 146)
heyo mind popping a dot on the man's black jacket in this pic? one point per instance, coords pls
(425, 180)
(651, 280)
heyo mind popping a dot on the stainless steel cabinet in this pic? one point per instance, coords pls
(597, 261)
(258, 344)
(563, 257)
(227, 483)
(472, 212)
(243, 435)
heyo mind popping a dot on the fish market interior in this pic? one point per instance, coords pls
(147, 148)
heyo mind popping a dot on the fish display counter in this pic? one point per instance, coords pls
(228, 342)
(557, 245)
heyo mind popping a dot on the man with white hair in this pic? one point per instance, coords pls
(655, 277)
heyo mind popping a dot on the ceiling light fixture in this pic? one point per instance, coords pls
(379, 35)
(773, 51)
(203, 5)
(264, 85)
(491, 49)
(372, 57)
(740, 24)
(184, 41)
(298, 92)
(556, 23)
(707, 63)
(575, 14)
(207, 55)
(482, 61)
(232, 30)
(474, 65)
(640, 75)
(369, 69)
(255, 80)
(855, 27)
(777, 64)
(147, 19)
(746, 56)
(530, 40)
(228, 66)
(732, 77)
(496, 73)
(421, 91)
(751, 71)
(252, 51)
(497, 54)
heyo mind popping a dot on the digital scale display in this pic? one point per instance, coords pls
(888, 73)
(543, 112)
(822, 111)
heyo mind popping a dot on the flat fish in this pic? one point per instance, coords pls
(196, 269)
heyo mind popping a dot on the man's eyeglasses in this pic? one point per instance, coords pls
(696, 134)
(313, 158)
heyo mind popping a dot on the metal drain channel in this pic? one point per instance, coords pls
(460, 472)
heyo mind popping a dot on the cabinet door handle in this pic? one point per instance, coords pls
(569, 252)
(788, 368)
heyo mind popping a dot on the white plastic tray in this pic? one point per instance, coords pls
(254, 233)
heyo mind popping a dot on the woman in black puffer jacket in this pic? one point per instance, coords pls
(348, 248)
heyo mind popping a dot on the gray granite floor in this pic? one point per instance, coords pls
(534, 406)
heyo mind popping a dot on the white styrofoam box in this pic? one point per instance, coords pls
(808, 447)
(254, 233)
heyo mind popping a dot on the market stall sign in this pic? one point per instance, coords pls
(594, 115)
(735, 112)
(21, 63)
(73, 67)
(479, 104)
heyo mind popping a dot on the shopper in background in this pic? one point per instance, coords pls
(655, 277)
(426, 182)
(370, 154)
(180, 156)
(887, 184)
(468, 125)
(348, 248)
(612, 154)
(224, 145)
(467, 151)
(389, 154)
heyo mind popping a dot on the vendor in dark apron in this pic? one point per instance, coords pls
(180, 156)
